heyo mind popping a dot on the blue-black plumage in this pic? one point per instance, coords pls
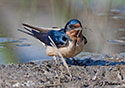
(59, 37)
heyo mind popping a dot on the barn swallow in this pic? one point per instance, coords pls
(69, 40)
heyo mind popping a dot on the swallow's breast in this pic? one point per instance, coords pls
(79, 48)
(67, 52)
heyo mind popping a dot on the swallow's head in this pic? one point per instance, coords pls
(60, 39)
(73, 24)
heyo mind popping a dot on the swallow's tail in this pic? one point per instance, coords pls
(39, 35)
(40, 29)
(29, 33)
(32, 27)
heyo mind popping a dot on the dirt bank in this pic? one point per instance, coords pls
(98, 71)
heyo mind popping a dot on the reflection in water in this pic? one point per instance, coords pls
(1, 46)
(121, 42)
(105, 18)
(3, 39)
(23, 45)
(119, 17)
(6, 46)
(18, 42)
(117, 11)
(122, 38)
(122, 29)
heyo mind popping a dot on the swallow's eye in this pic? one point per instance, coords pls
(71, 26)
(64, 38)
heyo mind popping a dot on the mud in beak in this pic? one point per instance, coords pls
(78, 29)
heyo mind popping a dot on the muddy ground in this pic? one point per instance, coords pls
(91, 71)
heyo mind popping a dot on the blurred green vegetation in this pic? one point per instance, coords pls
(24, 5)
(7, 53)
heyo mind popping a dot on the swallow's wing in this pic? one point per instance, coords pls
(57, 34)
(40, 29)
(59, 38)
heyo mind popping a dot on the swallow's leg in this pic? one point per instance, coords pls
(63, 60)
(54, 57)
